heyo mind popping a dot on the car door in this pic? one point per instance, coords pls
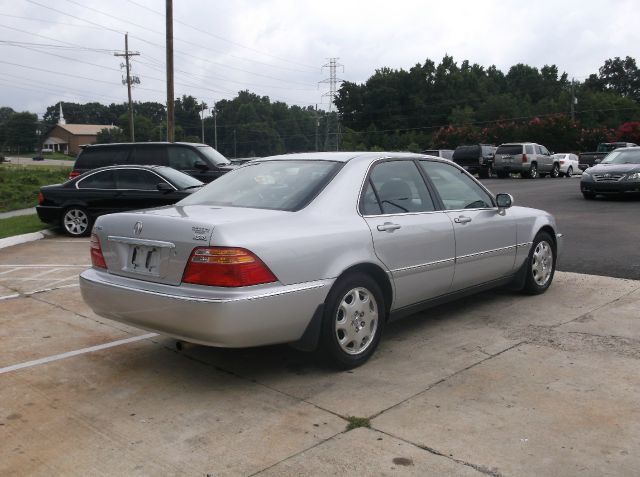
(410, 236)
(97, 192)
(485, 238)
(138, 189)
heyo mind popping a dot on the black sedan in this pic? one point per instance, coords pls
(76, 203)
(618, 173)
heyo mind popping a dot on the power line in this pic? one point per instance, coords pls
(48, 45)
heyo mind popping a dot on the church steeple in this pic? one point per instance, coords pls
(61, 119)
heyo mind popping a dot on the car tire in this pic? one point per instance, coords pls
(588, 195)
(76, 221)
(502, 174)
(569, 172)
(532, 173)
(485, 172)
(555, 172)
(541, 265)
(353, 321)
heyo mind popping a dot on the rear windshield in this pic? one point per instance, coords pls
(631, 156)
(179, 179)
(276, 185)
(92, 158)
(608, 147)
(467, 152)
(510, 149)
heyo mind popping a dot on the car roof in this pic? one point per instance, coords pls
(341, 156)
(158, 143)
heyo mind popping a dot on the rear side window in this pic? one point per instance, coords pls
(137, 179)
(399, 188)
(149, 156)
(529, 149)
(510, 149)
(92, 158)
(99, 180)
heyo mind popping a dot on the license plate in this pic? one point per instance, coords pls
(144, 259)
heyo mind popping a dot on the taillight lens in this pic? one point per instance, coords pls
(524, 158)
(73, 174)
(226, 267)
(97, 259)
(40, 198)
(561, 163)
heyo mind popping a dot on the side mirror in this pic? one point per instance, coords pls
(504, 201)
(164, 187)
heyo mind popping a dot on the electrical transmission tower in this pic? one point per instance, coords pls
(129, 80)
(332, 137)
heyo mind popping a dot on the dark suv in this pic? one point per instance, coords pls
(477, 158)
(198, 160)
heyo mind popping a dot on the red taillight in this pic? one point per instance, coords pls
(561, 162)
(73, 174)
(97, 259)
(40, 198)
(226, 267)
(524, 158)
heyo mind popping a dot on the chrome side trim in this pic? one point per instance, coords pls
(135, 241)
(293, 289)
(434, 264)
(524, 244)
(495, 251)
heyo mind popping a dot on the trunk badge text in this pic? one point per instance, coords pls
(137, 228)
(200, 233)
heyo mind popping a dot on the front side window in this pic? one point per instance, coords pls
(99, 180)
(277, 185)
(398, 188)
(456, 189)
(183, 158)
(137, 179)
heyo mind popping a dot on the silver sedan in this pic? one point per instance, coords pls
(318, 250)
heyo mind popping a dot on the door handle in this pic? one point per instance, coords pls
(388, 227)
(462, 220)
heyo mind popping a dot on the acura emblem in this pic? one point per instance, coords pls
(137, 229)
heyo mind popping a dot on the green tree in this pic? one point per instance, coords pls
(21, 131)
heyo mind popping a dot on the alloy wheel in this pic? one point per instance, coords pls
(542, 263)
(569, 172)
(75, 221)
(555, 172)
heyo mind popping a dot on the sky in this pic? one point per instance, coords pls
(63, 50)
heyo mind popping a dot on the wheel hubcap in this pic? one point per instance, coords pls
(76, 221)
(356, 320)
(534, 172)
(542, 263)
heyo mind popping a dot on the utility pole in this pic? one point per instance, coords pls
(317, 127)
(332, 132)
(170, 93)
(127, 55)
(215, 126)
(204, 106)
(574, 100)
(235, 154)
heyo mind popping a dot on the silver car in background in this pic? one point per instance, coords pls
(319, 250)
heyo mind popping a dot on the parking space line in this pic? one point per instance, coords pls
(42, 290)
(57, 357)
(46, 272)
(17, 295)
(9, 271)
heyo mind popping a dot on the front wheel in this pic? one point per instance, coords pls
(541, 265)
(353, 322)
(555, 172)
(569, 172)
(76, 221)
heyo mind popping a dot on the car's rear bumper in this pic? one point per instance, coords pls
(48, 214)
(510, 167)
(224, 317)
(614, 187)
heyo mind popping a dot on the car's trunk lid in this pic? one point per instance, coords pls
(154, 245)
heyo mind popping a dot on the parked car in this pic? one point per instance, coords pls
(618, 173)
(589, 159)
(318, 250)
(75, 204)
(476, 159)
(568, 164)
(528, 159)
(444, 153)
(198, 160)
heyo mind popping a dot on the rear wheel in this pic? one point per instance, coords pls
(532, 173)
(569, 172)
(76, 221)
(353, 322)
(555, 172)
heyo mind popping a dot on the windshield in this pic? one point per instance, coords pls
(214, 156)
(179, 179)
(608, 147)
(275, 185)
(631, 156)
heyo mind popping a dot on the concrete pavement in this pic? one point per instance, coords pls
(498, 384)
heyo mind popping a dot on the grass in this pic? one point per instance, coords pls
(23, 224)
(19, 185)
(355, 422)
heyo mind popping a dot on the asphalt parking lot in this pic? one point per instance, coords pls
(498, 384)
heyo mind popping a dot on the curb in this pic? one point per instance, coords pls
(24, 238)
